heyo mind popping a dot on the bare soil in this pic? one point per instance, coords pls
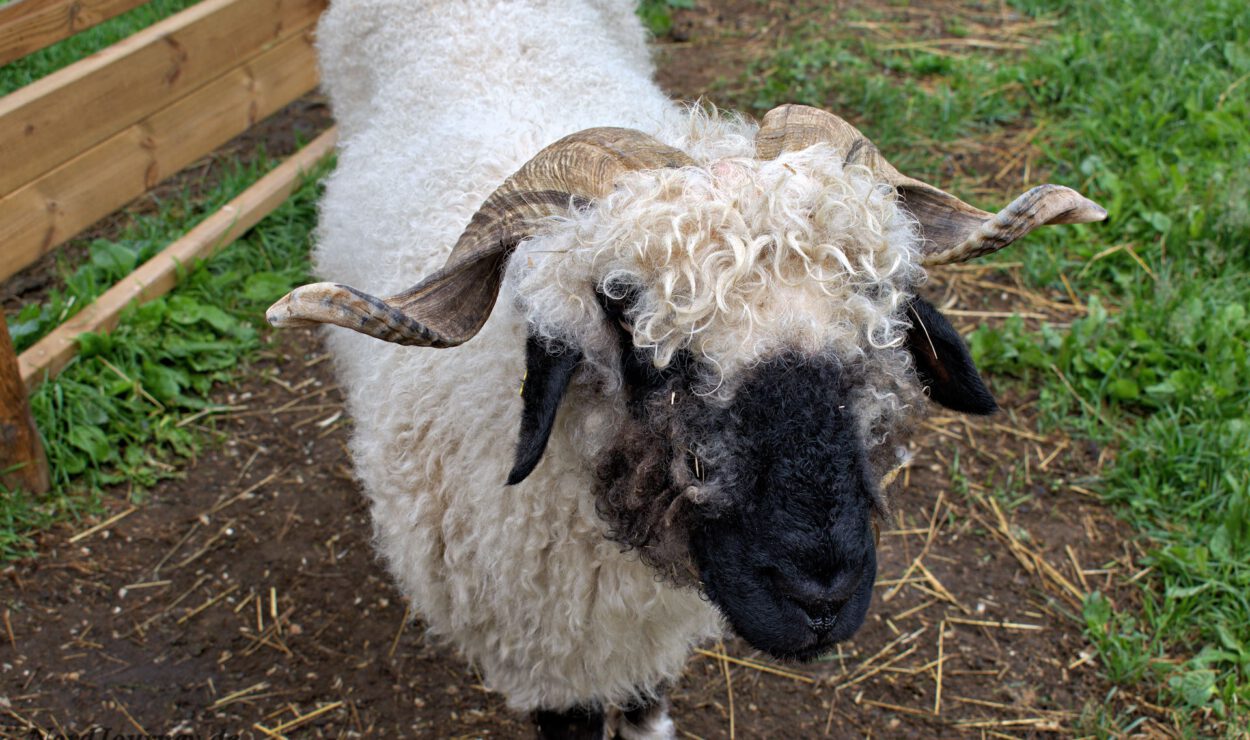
(244, 596)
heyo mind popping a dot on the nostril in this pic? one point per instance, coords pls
(823, 622)
(821, 598)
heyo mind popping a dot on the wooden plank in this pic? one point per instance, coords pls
(27, 26)
(158, 275)
(43, 214)
(58, 117)
(22, 462)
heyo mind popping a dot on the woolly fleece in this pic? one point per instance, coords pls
(437, 104)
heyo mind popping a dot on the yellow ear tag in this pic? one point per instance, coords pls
(521, 391)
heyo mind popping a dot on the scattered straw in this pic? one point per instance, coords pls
(1031, 561)
(877, 669)
(1037, 723)
(729, 685)
(126, 713)
(8, 629)
(1008, 707)
(190, 532)
(1082, 658)
(300, 720)
(937, 696)
(754, 665)
(1019, 432)
(940, 589)
(1050, 458)
(995, 314)
(206, 412)
(998, 624)
(932, 535)
(915, 609)
(865, 666)
(146, 584)
(399, 633)
(208, 545)
(191, 614)
(103, 525)
(247, 491)
(896, 708)
(238, 695)
(1076, 566)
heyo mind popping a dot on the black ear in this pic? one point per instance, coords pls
(943, 363)
(548, 368)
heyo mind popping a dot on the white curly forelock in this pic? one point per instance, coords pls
(734, 259)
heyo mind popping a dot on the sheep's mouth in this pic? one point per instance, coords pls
(768, 616)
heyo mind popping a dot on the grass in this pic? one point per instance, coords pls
(1143, 107)
(658, 14)
(113, 415)
(1146, 110)
(26, 70)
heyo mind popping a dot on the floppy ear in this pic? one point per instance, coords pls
(943, 363)
(548, 368)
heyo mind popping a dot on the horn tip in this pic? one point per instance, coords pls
(279, 314)
(1071, 206)
(1091, 212)
(287, 313)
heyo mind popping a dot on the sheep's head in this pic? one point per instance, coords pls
(754, 324)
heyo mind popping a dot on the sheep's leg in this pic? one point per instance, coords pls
(578, 723)
(649, 721)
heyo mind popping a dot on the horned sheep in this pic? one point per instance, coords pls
(706, 331)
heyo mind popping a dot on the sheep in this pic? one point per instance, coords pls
(705, 329)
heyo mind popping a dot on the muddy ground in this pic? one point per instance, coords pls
(243, 597)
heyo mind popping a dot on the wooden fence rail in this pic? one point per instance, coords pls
(157, 276)
(84, 141)
(26, 26)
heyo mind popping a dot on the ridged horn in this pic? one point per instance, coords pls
(450, 306)
(951, 230)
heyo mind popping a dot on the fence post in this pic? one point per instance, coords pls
(20, 447)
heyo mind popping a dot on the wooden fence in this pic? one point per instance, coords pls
(86, 140)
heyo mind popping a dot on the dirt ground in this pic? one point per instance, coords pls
(244, 597)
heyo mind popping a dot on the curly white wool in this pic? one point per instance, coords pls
(437, 103)
(734, 260)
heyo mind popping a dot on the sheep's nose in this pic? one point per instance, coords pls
(821, 597)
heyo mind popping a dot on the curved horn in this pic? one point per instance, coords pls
(951, 230)
(450, 306)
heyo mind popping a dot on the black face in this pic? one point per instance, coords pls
(791, 559)
(766, 502)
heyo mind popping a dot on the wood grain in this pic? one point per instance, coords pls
(60, 116)
(43, 214)
(27, 26)
(159, 274)
(22, 462)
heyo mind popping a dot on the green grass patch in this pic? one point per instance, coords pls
(1145, 108)
(112, 416)
(26, 70)
(658, 14)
